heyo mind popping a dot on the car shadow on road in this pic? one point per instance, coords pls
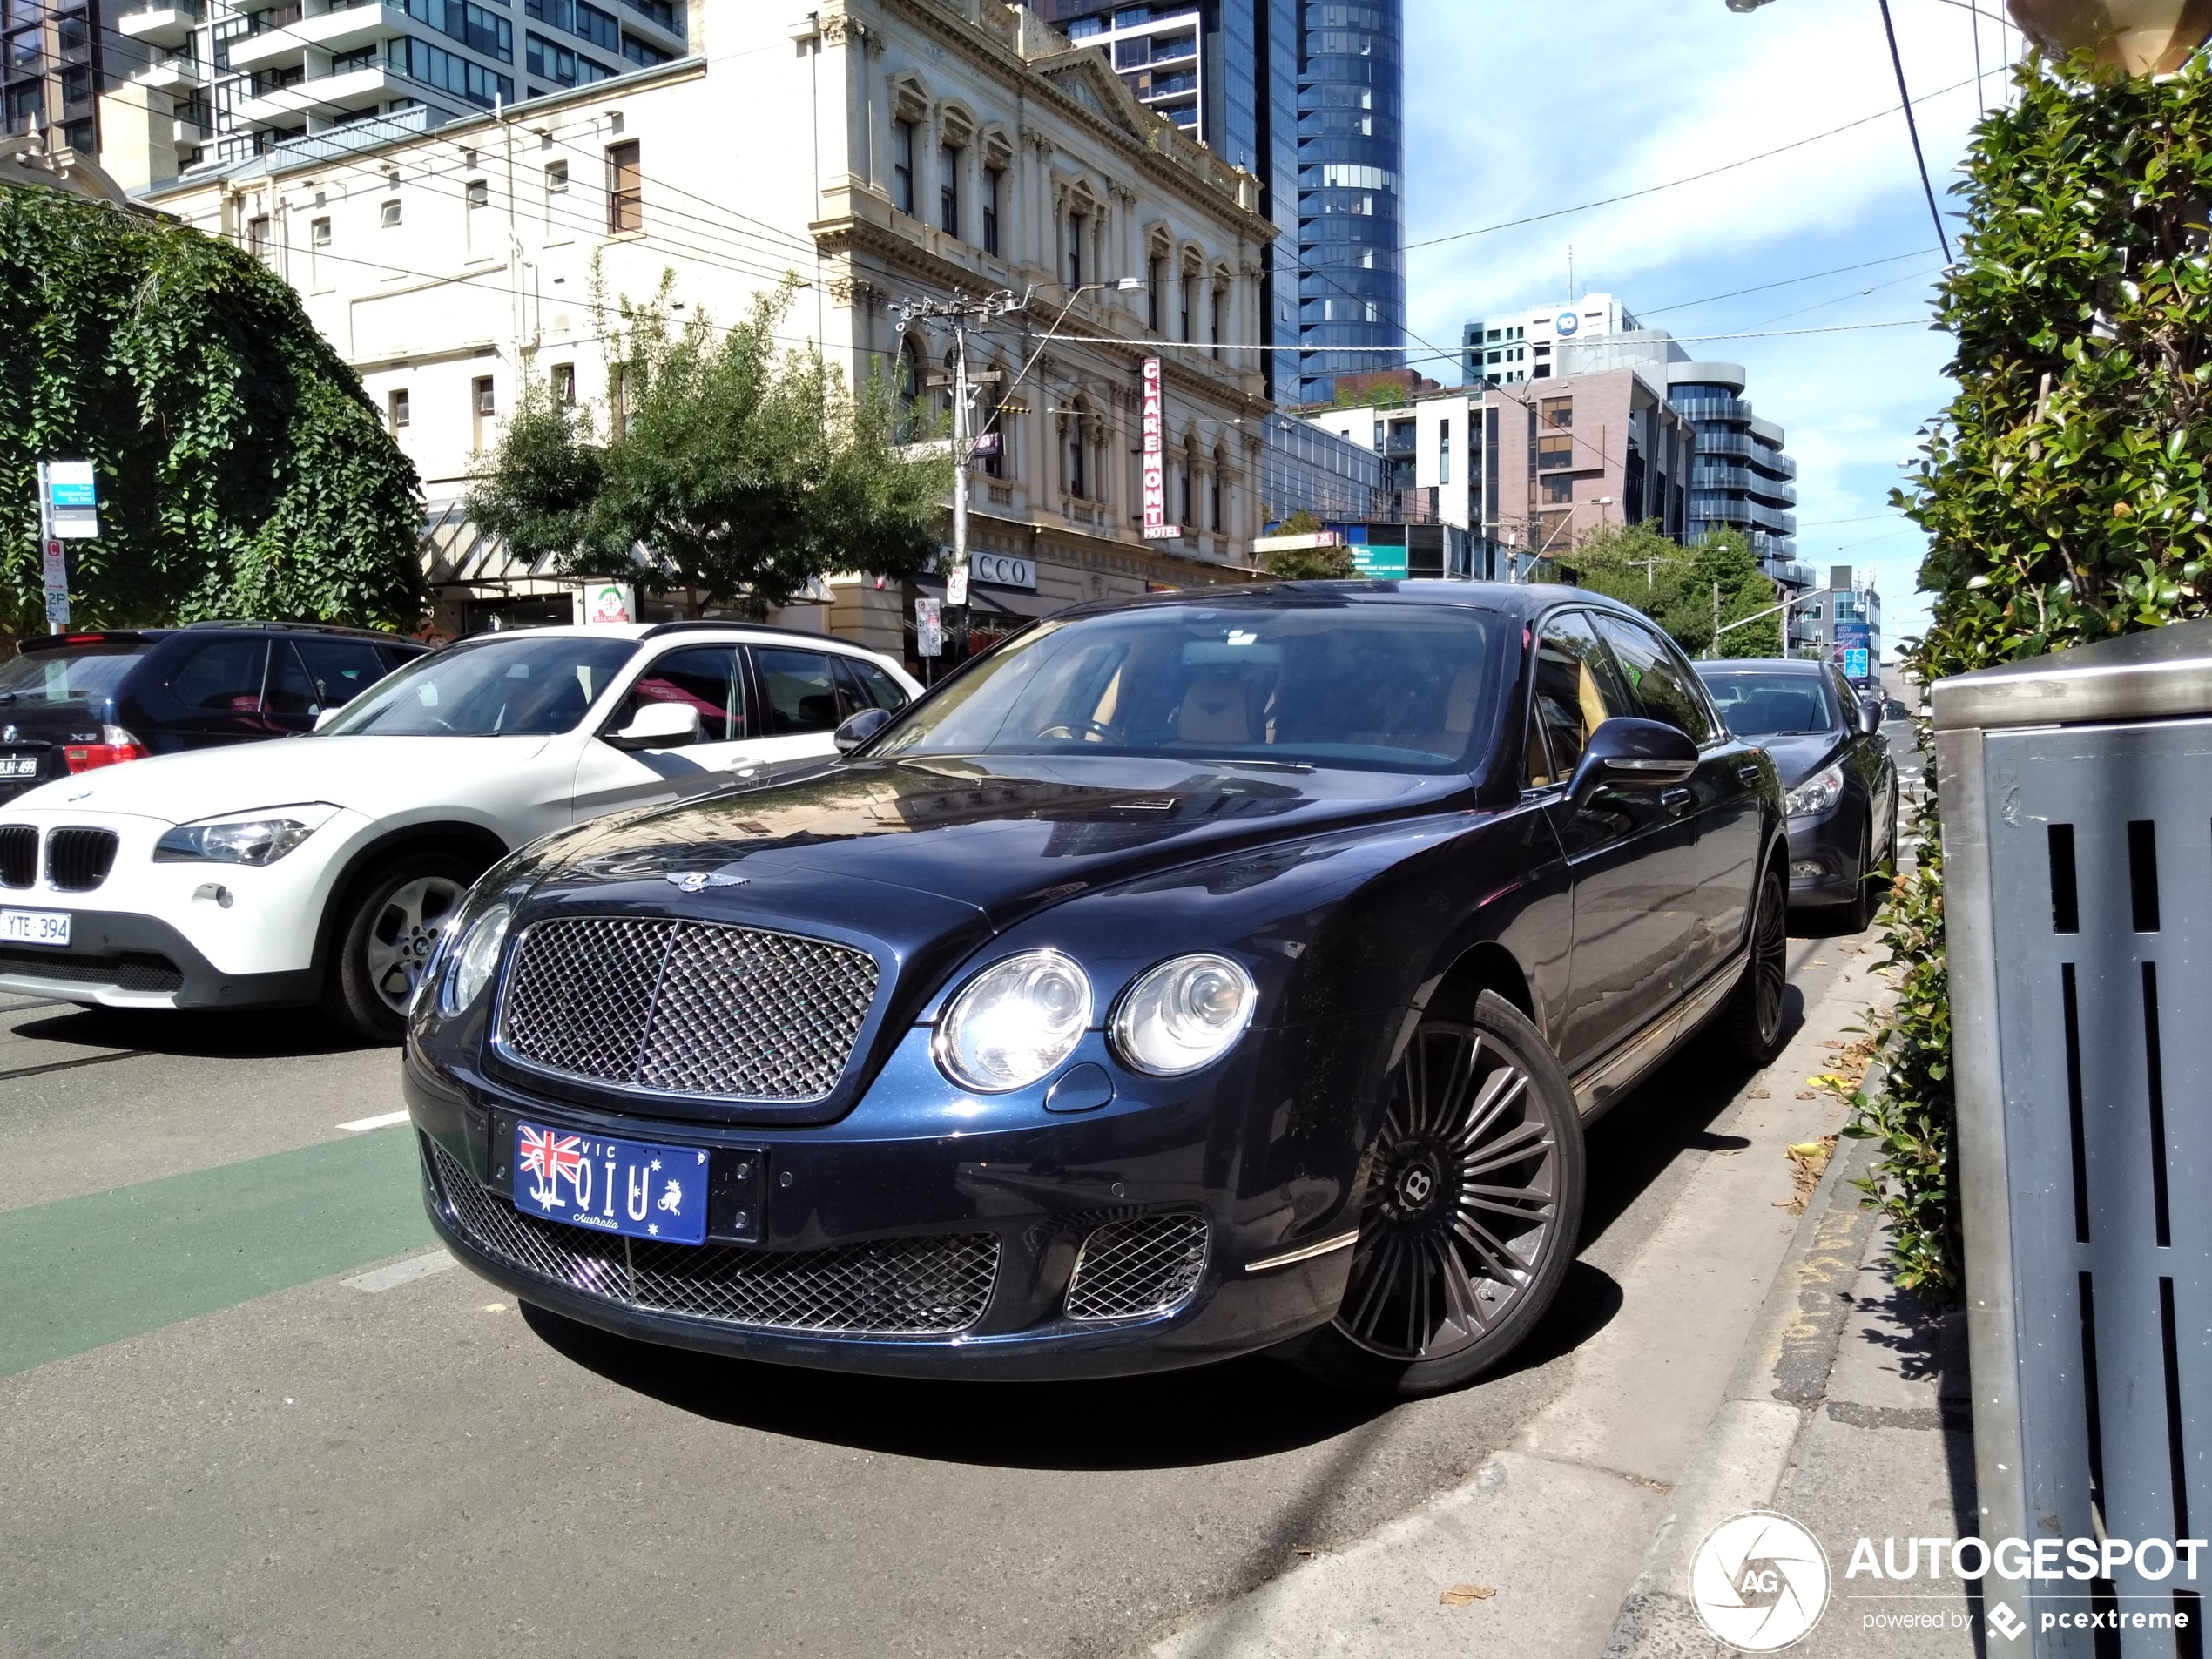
(264, 1034)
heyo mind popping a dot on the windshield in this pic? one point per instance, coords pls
(1772, 705)
(1382, 687)
(73, 677)
(516, 686)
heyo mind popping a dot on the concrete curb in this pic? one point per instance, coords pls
(1746, 1453)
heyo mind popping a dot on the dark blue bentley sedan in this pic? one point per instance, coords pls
(1183, 978)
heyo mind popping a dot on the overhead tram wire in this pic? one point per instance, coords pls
(1810, 276)
(1912, 127)
(1672, 183)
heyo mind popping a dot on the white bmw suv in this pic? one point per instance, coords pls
(320, 869)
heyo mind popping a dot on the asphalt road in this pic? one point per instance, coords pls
(237, 1417)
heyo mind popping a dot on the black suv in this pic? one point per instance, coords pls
(74, 701)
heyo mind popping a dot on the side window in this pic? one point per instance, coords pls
(878, 689)
(801, 689)
(1846, 696)
(707, 677)
(1665, 688)
(222, 676)
(311, 674)
(1577, 691)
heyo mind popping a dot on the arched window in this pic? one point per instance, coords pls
(1189, 467)
(1214, 520)
(1075, 481)
(909, 373)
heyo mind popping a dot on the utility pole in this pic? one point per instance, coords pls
(964, 314)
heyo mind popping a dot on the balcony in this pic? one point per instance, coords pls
(1412, 507)
(178, 73)
(1712, 408)
(272, 46)
(162, 25)
(355, 89)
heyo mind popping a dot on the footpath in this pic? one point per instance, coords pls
(1760, 1359)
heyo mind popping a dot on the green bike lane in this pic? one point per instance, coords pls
(79, 1272)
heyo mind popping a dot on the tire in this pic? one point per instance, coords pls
(384, 935)
(1748, 1025)
(1442, 1290)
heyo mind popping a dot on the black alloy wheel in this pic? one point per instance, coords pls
(1473, 1202)
(1749, 1022)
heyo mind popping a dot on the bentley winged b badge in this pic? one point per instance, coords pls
(700, 880)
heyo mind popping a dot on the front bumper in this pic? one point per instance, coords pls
(119, 960)
(1824, 856)
(897, 1242)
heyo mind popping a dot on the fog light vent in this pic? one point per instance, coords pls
(1143, 1266)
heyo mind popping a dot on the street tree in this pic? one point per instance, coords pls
(242, 471)
(732, 469)
(1675, 585)
(1306, 563)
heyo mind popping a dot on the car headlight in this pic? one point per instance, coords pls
(1013, 1021)
(260, 837)
(1185, 1014)
(474, 959)
(1817, 794)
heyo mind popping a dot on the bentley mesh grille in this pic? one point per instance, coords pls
(18, 855)
(913, 1287)
(687, 1008)
(78, 858)
(1143, 1265)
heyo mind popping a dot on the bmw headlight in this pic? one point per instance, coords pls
(474, 959)
(1013, 1021)
(1185, 1014)
(1817, 794)
(260, 837)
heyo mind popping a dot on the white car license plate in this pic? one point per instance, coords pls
(35, 926)
(18, 766)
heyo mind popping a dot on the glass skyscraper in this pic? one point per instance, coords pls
(1308, 95)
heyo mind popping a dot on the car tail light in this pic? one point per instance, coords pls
(115, 746)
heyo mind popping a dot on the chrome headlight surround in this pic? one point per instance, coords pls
(1184, 1015)
(1817, 794)
(471, 959)
(1013, 1022)
(259, 837)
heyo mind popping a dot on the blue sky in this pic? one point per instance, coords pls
(1517, 109)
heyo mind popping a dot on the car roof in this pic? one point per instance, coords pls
(91, 637)
(1518, 599)
(640, 631)
(1763, 664)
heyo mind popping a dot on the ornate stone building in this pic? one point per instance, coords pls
(878, 151)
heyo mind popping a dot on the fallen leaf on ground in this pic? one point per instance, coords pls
(1833, 1043)
(1762, 1094)
(1805, 1094)
(1460, 1595)
(1816, 962)
(1807, 1160)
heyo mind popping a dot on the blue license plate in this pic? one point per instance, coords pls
(633, 1187)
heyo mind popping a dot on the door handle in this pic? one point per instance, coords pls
(1673, 800)
(1749, 772)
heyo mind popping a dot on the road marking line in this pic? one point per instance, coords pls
(399, 1273)
(360, 1125)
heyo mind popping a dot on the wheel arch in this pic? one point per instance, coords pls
(472, 842)
(1485, 966)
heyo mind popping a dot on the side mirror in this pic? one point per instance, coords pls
(328, 716)
(1628, 753)
(1870, 718)
(658, 725)
(859, 728)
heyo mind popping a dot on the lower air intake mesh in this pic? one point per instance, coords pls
(1145, 1264)
(919, 1286)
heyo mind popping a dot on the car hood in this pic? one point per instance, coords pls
(377, 776)
(1798, 755)
(1004, 835)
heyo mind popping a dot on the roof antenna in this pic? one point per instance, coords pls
(1570, 271)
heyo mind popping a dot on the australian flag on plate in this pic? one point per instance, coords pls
(633, 1187)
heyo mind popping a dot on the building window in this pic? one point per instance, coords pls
(483, 404)
(902, 166)
(565, 385)
(1220, 306)
(948, 189)
(1443, 452)
(1076, 490)
(992, 421)
(396, 406)
(478, 192)
(1190, 281)
(1075, 250)
(388, 215)
(1154, 277)
(1213, 493)
(1559, 413)
(258, 237)
(992, 180)
(556, 177)
(625, 202)
(1555, 452)
(1558, 490)
(319, 233)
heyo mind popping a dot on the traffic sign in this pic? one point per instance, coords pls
(70, 497)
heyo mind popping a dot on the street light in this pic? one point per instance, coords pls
(2140, 36)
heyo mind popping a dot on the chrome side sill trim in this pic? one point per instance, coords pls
(1267, 1263)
